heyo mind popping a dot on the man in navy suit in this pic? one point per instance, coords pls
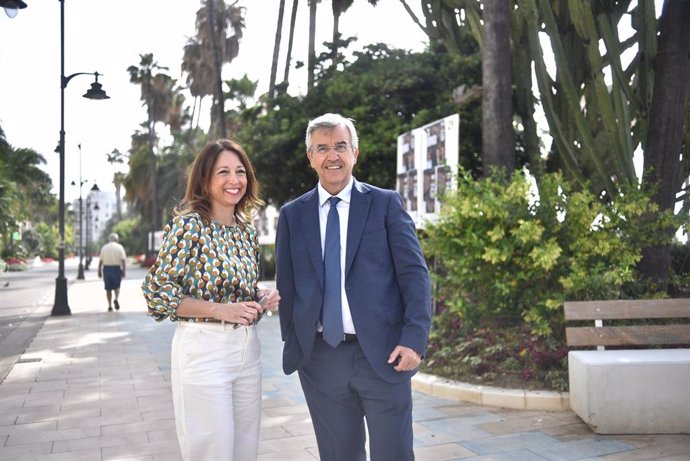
(384, 301)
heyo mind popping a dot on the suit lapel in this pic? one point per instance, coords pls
(360, 202)
(312, 232)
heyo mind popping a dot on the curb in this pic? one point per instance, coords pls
(518, 399)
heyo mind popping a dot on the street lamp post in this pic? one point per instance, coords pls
(61, 305)
(80, 273)
(89, 224)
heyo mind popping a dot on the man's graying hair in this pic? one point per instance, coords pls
(328, 122)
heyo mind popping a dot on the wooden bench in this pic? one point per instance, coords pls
(639, 390)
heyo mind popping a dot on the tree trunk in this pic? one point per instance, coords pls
(276, 51)
(497, 109)
(218, 98)
(662, 157)
(311, 59)
(288, 59)
(336, 35)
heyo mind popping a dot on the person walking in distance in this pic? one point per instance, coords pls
(355, 307)
(112, 267)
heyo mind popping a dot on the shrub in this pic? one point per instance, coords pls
(505, 251)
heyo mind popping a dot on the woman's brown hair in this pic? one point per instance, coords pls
(197, 198)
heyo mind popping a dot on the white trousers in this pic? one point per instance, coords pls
(216, 387)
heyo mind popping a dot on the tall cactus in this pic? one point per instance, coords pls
(595, 101)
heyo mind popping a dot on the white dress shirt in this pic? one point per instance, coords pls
(343, 214)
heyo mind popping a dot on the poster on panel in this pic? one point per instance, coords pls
(427, 163)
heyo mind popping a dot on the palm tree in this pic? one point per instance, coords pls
(311, 56)
(338, 7)
(213, 22)
(118, 182)
(199, 75)
(664, 153)
(276, 51)
(497, 108)
(293, 20)
(157, 96)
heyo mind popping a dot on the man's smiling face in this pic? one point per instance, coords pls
(333, 157)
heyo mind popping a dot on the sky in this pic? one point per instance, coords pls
(108, 36)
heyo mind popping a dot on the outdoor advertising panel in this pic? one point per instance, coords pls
(427, 163)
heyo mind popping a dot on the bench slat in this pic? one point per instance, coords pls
(662, 335)
(627, 309)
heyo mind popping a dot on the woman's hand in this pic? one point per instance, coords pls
(243, 313)
(269, 298)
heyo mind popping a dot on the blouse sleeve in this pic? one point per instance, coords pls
(164, 285)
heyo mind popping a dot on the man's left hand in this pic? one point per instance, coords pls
(406, 359)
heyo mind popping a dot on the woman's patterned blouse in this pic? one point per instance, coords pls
(212, 262)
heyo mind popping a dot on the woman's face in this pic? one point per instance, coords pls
(228, 182)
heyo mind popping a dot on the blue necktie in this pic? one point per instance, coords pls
(332, 313)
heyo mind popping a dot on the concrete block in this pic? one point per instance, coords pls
(631, 391)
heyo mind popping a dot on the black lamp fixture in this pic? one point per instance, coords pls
(61, 305)
(12, 7)
(96, 90)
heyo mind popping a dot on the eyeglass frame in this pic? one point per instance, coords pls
(339, 148)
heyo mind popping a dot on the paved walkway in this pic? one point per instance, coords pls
(95, 386)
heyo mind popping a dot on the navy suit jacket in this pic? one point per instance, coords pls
(386, 278)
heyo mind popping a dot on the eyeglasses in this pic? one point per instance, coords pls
(339, 148)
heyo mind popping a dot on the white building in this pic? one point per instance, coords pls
(98, 207)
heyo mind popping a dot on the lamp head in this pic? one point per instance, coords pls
(95, 188)
(96, 91)
(12, 7)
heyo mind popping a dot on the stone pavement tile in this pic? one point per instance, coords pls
(27, 428)
(273, 432)
(287, 444)
(158, 415)
(167, 457)
(448, 451)
(655, 440)
(47, 413)
(460, 408)
(16, 389)
(167, 425)
(89, 443)
(286, 410)
(654, 447)
(283, 420)
(10, 403)
(520, 454)
(86, 455)
(43, 398)
(459, 428)
(495, 444)
(26, 437)
(578, 449)
(270, 402)
(148, 407)
(424, 437)
(21, 452)
(72, 423)
(140, 450)
(517, 422)
(297, 429)
(566, 432)
(288, 455)
(163, 435)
